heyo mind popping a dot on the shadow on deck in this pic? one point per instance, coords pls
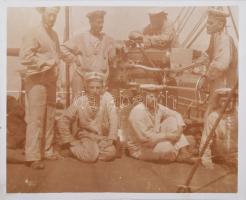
(122, 175)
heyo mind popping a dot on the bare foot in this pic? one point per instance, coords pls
(36, 164)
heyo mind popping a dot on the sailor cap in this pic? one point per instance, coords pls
(96, 14)
(55, 9)
(223, 91)
(157, 12)
(94, 76)
(217, 12)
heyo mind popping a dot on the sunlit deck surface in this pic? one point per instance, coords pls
(122, 175)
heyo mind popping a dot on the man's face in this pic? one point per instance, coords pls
(49, 17)
(222, 101)
(157, 21)
(95, 88)
(213, 25)
(151, 100)
(97, 24)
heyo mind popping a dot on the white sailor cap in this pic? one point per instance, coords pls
(223, 91)
(96, 14)
(217, 11)
(55, 9)
(97, 76)
(157, 12)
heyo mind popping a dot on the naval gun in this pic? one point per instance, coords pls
(183, 88)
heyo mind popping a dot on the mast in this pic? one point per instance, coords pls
(66, 37)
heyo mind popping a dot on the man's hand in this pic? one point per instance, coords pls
(214, 72)
(76, 60)
(50, 63)
(105, 143)
(147, 42)
(180, 130)
(169, 156)
(151, 142)
(68, 58)
(77, 151)
(89, 134)
(203, 59)
(74, 143)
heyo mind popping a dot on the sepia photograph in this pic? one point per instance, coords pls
(122, 99)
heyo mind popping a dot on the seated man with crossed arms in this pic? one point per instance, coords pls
(156, 131)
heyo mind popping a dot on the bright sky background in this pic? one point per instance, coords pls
(119, 21)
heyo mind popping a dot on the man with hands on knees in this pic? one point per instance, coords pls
(97, 118)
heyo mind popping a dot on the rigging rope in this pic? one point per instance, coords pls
(179, 15)
(196, 36)
(182, 19)
(195, 28)
(186, 20)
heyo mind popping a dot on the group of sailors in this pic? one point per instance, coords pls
(155, 132)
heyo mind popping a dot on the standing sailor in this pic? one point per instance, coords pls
(222, 54)
(39, 53)
(92, 51)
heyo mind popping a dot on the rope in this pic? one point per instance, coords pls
(195, 28)
(179, 15)
(186, 20)
(196, 36)
(183, 19)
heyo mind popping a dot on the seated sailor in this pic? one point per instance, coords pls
(156, 131)
(97, 121)
(224, 143)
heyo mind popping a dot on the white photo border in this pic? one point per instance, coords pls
(241, 195)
